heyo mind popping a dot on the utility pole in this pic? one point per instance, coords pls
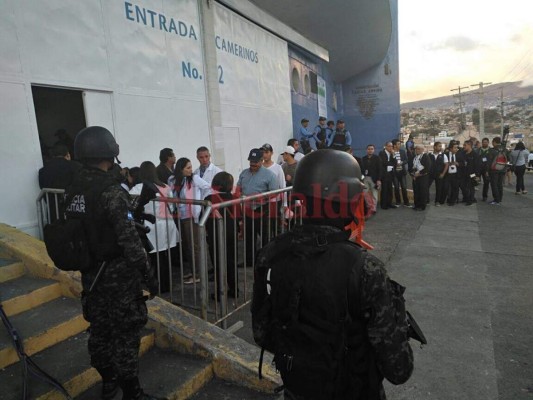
(501, 112)
(481, 107)
(461, 103)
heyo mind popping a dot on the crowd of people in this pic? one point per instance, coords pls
(454, 171)
(340, 347)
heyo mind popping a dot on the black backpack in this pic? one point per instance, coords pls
(70, 239)
(307, 308)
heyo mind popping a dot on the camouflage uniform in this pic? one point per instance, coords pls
(377, 338)
(116, 307)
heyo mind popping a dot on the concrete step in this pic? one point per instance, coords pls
(24, 293)
(222, 390)
(42, 327)
(10, 269)
(67, 362)
(167, 374)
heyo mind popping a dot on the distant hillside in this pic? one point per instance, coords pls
(511, 92)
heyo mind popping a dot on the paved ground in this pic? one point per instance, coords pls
(469, 274)
(469, 278)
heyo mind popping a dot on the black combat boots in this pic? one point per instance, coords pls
(131, 389)
(109, 382)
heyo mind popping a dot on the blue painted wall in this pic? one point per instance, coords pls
(306, 105)
(372, 98)
(369, 102)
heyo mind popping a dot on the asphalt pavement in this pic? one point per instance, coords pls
(469, 277)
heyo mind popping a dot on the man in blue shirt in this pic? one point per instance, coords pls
(320, 133)
(307, 139)
(330, 130)
(254, 180)
(341, 137)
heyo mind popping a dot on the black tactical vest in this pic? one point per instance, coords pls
(83, 203)
(339, 138)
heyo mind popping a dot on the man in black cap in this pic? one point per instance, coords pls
(254, 180)
(321, 133)
(341, 137)
(307, 139)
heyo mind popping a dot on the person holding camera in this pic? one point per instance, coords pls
(469, 171)
(420, 173)
(371, 166)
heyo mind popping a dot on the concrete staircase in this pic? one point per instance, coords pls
(54, 335)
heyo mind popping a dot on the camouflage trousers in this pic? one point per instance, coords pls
(115, 332)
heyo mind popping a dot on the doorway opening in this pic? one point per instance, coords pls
(60, 116)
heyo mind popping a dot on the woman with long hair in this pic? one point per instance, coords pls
(518, 158)
(163, 234)
(191, 187)
(222, 187)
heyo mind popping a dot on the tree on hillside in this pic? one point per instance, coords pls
(491, 116)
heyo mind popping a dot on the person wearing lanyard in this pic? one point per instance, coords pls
(452, 177)
(420, 171)
(484, 157)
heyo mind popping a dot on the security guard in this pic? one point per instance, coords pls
(112, 297)
(325, 308)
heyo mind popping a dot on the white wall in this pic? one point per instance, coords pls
(255, 96)
(106, 49)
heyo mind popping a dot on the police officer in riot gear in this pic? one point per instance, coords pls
(325, 308)
(112, 297)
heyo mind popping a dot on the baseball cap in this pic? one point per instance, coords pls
(304, 120)
(267, 147)
(290, 150)
(322, 119)
(255, 155)
(340, 121)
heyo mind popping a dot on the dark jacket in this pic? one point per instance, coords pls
(385, 173)
(372, 166)
(163, 173)
(58, 173)
(344, 283)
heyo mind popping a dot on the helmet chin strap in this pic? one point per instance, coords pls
(118, 161)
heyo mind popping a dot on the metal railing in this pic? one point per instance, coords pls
(48, 205)
(220, 252)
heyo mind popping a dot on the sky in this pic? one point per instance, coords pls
(447, 43)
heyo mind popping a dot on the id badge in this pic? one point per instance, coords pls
(484, 159)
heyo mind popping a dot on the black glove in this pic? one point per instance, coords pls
(150, 282)
(148, 217)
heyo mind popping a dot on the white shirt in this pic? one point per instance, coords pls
(452, 169)
(417, 164)
(209, 173)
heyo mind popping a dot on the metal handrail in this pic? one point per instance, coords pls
(209, 210)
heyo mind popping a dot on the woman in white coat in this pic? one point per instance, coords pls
(163, 233)
(188, 186)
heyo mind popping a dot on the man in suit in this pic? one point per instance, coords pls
(420, 173)
(400, 173)
(371, 168)
(388, 163)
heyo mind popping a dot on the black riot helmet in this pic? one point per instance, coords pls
(328, 174)
(95, 142)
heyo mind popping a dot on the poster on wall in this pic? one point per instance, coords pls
(322, 103)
